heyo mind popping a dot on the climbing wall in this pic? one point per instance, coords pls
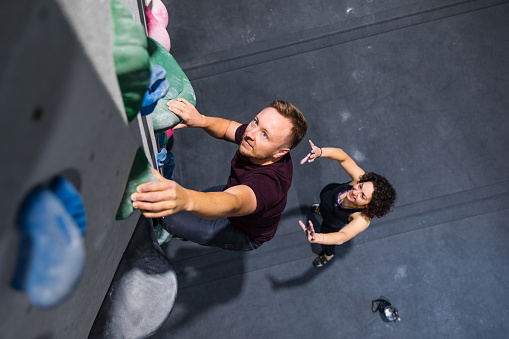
(63, 116)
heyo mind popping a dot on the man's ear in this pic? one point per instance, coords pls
(281, 152)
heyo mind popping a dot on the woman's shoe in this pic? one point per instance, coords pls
(321, 260)
(315, 208)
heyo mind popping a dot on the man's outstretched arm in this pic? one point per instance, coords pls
(166, 197)
(217, 127)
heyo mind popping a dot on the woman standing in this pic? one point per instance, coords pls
(346, 209)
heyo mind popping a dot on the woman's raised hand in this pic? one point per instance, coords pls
(316, 152)
(309, 230)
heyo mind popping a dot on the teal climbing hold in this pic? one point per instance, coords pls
(140, 173)
(51, 255)
(180, 86)
(132, 62)
(161, 234)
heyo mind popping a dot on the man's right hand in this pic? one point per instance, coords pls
(160, 198)
(166, 197)
(187, 112)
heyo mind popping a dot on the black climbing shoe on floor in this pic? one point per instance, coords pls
(321, 260)
(315, 208)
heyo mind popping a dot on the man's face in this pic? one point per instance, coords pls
(264, 138)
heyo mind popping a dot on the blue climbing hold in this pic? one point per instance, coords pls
(157, 89)
(70, 197)
(52, 253)
(166, 161)
(168, 166)
(161, 157)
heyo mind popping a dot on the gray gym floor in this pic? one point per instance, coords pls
(413, 90)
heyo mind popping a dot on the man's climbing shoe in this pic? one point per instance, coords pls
(315, 208)
(321, 260)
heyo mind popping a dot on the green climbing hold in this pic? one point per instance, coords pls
(161, 234)
(140, 173)
(180, 86)
(132, 63)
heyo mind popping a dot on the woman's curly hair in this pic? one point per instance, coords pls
(383, 197)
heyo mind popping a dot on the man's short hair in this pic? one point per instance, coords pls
(300, 125)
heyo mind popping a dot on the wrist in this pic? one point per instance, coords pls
(204, 121)
(321, 152)
(190, 203)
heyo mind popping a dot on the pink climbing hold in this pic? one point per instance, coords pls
(169, 133)
(159, 10)
(156, 30)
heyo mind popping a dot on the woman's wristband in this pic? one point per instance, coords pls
(321, 151)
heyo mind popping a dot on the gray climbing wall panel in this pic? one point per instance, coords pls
(61, 110)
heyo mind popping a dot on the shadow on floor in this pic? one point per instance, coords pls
(309, 275)
(312, 272)
(206, 279)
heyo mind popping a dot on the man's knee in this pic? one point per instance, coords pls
(190, 227)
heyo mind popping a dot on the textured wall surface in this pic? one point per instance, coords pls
(61, 110)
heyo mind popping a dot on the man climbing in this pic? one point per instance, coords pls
(245, 213)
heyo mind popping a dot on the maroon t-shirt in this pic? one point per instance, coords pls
(270, 184)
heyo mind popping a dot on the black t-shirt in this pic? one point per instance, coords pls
(332, 213)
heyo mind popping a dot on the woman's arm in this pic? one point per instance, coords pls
(348, 164)
(358, 224)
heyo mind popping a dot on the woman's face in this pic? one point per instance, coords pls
(361, 194)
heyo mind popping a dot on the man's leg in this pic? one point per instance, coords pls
(218, 233)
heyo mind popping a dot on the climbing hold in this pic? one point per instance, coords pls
(162, 139)
(157, 89)
(161, 157)
(159, 10)
(180, 87)
(161, 234)
(168, 166)
(140, 173)
(142, 292)
(132, 62)
(51, 253)
(169, 133)
(156, 30)
(70, 198)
